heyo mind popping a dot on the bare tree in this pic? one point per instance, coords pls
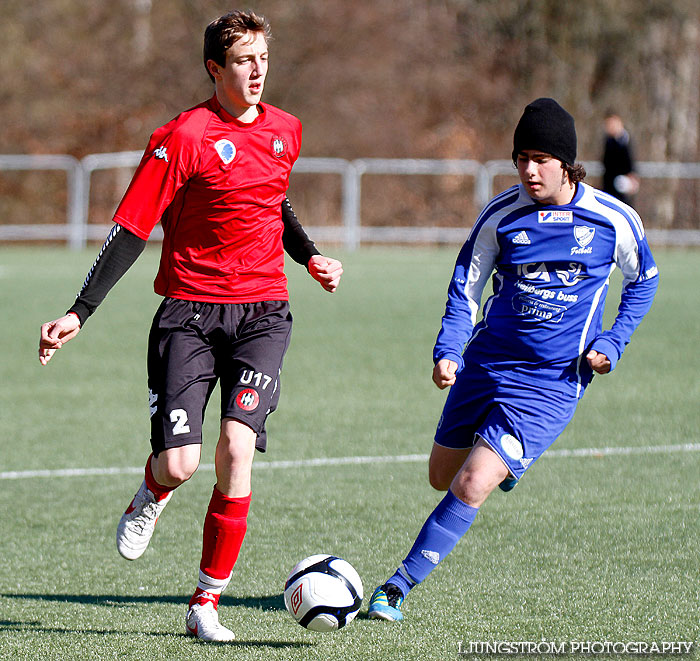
(417, 78)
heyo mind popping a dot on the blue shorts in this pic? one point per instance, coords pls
(519, 421)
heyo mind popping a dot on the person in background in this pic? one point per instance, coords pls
(619, 177)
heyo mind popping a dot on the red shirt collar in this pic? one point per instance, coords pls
(228, 117)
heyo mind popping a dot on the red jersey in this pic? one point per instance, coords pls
(217, 186)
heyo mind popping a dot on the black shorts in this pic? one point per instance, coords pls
(193, 345)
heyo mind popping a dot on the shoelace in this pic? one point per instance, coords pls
(208, 616)
(148, 514)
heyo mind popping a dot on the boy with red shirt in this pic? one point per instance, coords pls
(216, 178)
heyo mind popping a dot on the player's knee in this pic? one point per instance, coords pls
(179, 472)
(472, 487)
(173, 467)
(236, 444)
(233, 458)
(439, 478)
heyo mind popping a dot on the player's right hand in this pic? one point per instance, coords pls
(599, 362)
(445, 373)
(326, 271)
(54, 334)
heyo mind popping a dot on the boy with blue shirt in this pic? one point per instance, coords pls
(551, 243)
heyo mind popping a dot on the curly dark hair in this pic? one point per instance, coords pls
(576, 172)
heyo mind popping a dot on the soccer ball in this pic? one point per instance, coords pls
(323, 593)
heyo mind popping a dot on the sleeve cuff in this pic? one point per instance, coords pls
(449, 356)
(81, 311)
(605, 346)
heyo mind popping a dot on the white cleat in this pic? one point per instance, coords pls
(203, 622)
(137, 524)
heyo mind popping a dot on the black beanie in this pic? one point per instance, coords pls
(547, 127)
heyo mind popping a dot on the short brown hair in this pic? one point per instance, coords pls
(226, 30)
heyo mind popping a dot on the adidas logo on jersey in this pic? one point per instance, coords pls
(522, 239)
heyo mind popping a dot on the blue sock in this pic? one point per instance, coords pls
(438, 536)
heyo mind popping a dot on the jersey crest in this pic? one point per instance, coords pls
(279, 146)
(226, 150)
(584, 235)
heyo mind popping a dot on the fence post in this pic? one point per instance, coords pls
(482, 188)
(92, 162)
(77, 215)
(73, 229)
(352, 199)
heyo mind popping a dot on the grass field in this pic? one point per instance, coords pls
(594, 545)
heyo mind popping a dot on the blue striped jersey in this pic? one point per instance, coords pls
(550, 267)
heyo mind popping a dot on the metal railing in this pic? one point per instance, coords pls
(351, 234)
(73, 230)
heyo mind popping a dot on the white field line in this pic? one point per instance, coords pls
(342, 461)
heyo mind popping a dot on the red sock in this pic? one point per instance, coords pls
(224, 529)
(201, 596)
(158, 490)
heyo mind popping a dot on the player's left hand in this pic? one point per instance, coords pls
(326, 271)
(54, 334)
(598, 362)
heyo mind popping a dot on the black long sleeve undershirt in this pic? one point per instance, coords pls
(295, 240)
(122, 248)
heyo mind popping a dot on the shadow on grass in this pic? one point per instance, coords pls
(37, 627)
(273, 602)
